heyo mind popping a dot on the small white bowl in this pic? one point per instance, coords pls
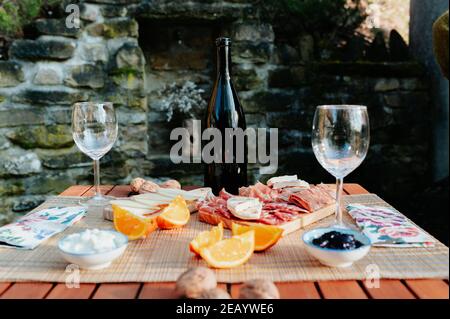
(94, 261)
(336, 257)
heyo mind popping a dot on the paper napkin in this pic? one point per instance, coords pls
(388, 228)
(31, 230)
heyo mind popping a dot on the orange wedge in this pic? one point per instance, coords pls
(206, 238)
(132, 225)
(265, 235)
(229, 253)
(175, 215)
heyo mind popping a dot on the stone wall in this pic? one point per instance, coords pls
(137, 54)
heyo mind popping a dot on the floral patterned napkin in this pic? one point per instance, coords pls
(31, 230)
(388, 228)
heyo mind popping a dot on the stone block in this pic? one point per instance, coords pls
(47, 96)
(114, 28)
(130, 57)
(89, 12)
(48, 49)
(253, 32)
(20, 116)
(112, 11)
(252, 52)
(95, 52)
(287, 77)
(17, 162)
(11, 187)
(265, 101)
(385, 85)
(63, 158)
(86, 75)
(49, 136)
(55, 27)
(246, 79)
(48, 75)
(406, 99)
(11, 74)
(115, 1)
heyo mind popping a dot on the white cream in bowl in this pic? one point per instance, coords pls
(93, 248)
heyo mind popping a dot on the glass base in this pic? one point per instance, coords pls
(96, 201)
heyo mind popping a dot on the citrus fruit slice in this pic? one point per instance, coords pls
(206, 238)
(265, 235)
(229, 253)
(175, 215)
(132, 225)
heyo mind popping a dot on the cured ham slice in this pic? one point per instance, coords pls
(259, 190)
(312, 199)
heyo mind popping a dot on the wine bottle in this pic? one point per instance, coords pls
(225, 111)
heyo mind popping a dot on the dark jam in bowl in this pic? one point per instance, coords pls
(337, 240)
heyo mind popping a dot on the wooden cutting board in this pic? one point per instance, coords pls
(289, 227)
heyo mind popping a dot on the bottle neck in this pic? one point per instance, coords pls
(223, 62)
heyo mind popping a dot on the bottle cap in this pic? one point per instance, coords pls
(222, 41)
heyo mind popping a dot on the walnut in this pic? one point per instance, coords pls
(216, 293)
(136, 184)
(171, 184)
(148, 187)
(259, 289)
(192, 283)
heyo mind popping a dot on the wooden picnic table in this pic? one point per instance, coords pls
(347, 289)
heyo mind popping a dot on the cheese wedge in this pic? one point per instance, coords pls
(297, 184)
(245, 207)
(152, 197)
(130, 203)
(279, 179)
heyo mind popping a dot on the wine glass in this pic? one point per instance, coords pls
(340, 141)
(94, 130)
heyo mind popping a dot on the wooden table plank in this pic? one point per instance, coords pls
(27, 290)
(344, 289)
(117, 291)
(60, 291)
(4, 286)
(429, 288)
(105, 189)
(390, 289)
(120, 191)
(355, 189)
(163, 290)
(77, 190)
(288, 290)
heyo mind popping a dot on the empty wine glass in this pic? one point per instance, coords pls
(340, 140)
(94, 130)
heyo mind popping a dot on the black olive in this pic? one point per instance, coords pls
(337, 240)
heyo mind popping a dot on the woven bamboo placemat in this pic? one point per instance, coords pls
(165, 255)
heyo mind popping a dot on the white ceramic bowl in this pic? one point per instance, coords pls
(336, 257)
(94, 260)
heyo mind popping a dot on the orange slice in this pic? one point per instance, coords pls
(132, 225)
(175, 215)
(206, 238)
(229, 253)
(265, 235)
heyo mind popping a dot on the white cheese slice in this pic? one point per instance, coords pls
(154, 197)
(286, 178)
(245, 207)
(297, 184)
(129, 203)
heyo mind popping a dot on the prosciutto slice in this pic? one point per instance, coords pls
(264, 193)
(312, 199)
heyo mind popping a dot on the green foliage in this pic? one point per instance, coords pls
(15, 14)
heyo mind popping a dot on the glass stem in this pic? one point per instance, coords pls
(98, 193)
(339, 189)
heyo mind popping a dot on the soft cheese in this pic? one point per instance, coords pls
(297, 184)
(279, 179)
(245, 207)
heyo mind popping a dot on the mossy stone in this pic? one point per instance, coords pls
(51, 137)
